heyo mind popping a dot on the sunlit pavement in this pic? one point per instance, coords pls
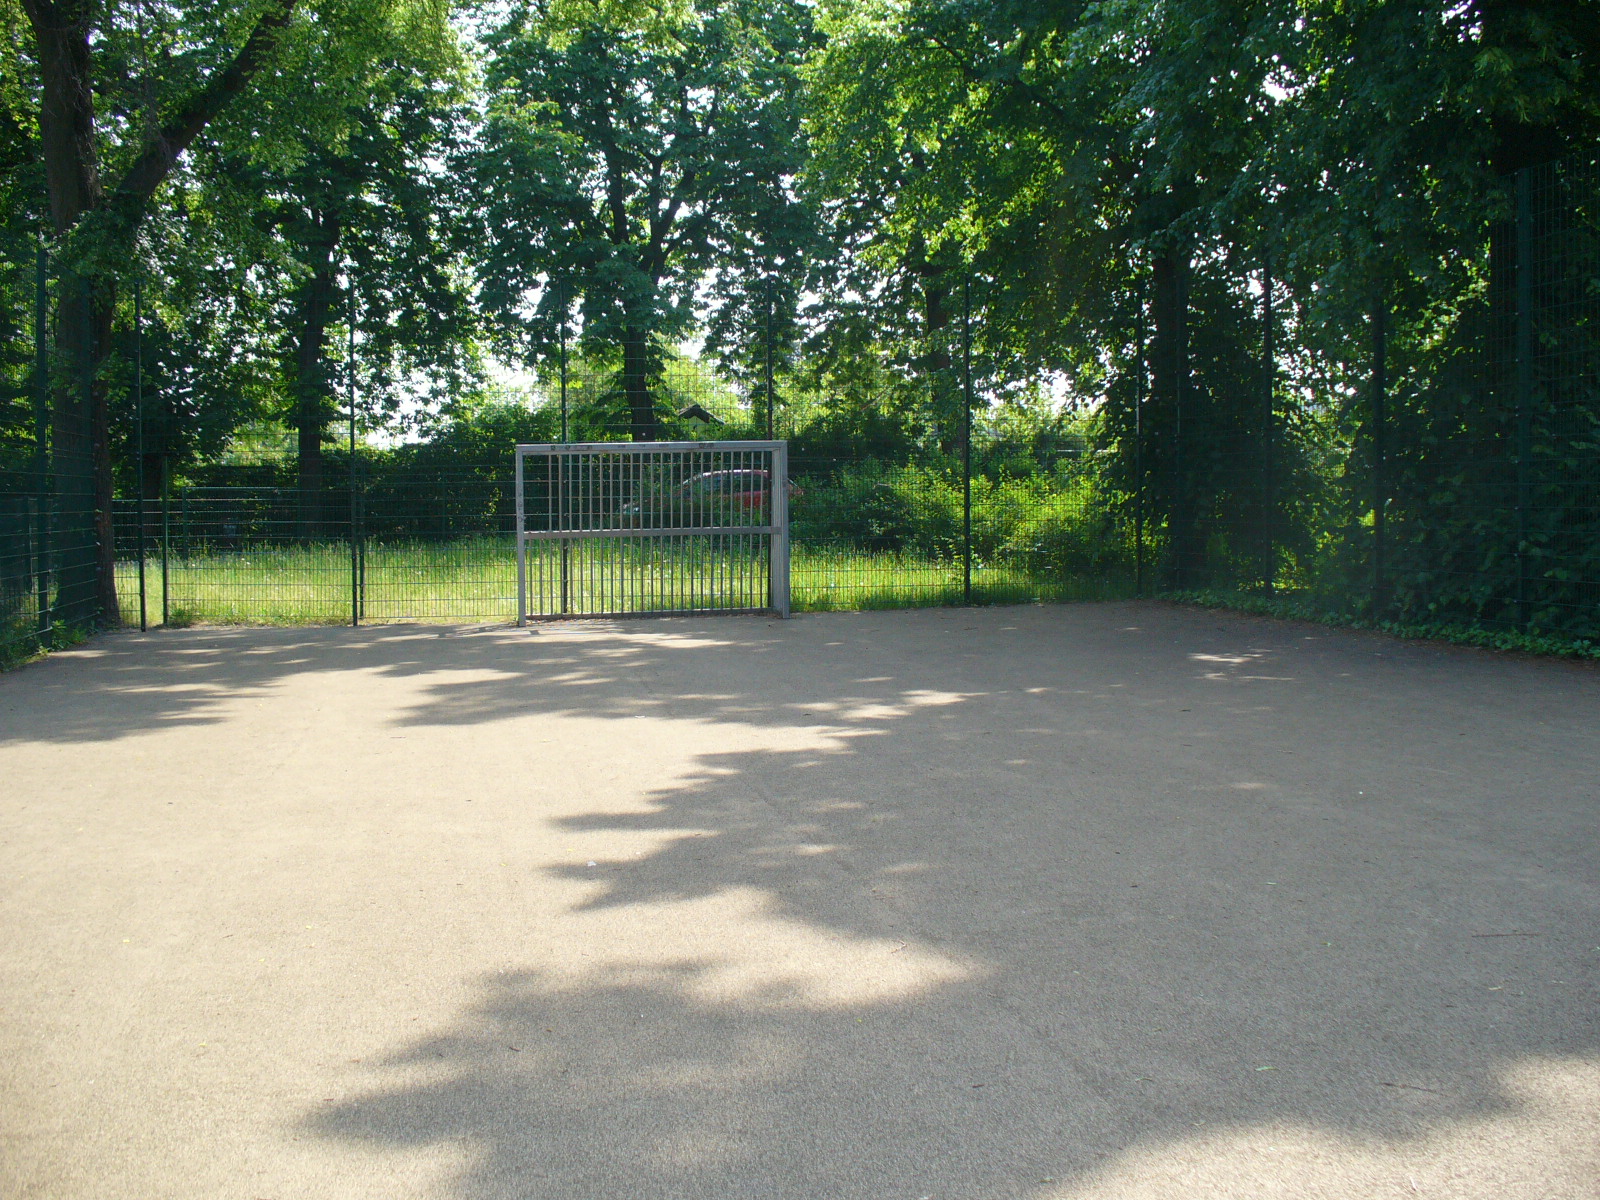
(1097, 901)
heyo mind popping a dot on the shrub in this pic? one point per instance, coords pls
(1067, 533)
(880, 508)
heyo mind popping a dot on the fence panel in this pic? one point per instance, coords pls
(1426, 469)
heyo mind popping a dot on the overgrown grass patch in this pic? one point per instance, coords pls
(476, 579)
(1302, 608)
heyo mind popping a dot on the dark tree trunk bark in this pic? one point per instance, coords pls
(80, 556)
(150, 474)
(1170, 398)
(941, 382)
(313, 400)
(636, 369)
(936, 312)
(1517, 144)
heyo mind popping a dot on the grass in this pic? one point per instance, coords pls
(1300, 608)
(475, 579)
(842, 578)
(22, 642)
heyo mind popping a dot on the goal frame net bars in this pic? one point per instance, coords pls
(610, 529)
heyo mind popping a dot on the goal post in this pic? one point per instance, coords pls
(652, 528)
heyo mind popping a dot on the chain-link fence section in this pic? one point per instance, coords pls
(1411, 467)
(1442, 472)
(51, 568)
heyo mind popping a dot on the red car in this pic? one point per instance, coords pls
(733, 492)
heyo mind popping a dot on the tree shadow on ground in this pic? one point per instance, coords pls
(1022, 907)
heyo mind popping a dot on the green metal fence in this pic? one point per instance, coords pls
(1457, 483)
(1444, 472)
(52, 569)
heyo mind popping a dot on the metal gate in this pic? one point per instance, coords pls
(650, 528)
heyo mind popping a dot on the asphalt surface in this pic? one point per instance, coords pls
(1098, 901)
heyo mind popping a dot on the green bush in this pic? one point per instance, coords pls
(1051, 526)
(881, 508)
(1064, 533)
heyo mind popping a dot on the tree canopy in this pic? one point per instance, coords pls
(635, 163)
(1159, 214)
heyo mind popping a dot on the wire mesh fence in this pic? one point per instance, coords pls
(52, 565)
(1458, 484)
(1429, 474)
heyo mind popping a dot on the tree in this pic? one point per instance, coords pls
(366, 230)
(633, 159)
(164, 74)
(72, 42)
(886, 118)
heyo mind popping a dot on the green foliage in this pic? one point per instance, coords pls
(627, 152)
(1299, 608)
(1053, 527)
(877, 507)
(1067, 533)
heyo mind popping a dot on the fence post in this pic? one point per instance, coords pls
(86, 492)
(1180, 505)
(966, 440)
(166, 534)
(560, 482)
(138, 424)
(778, 585)
(350, 384)
(522, 552)
(41, 424)
(1269, 483)
(1524, 352)
(1380, 483)
(1141, 384)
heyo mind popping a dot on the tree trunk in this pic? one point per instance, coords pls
(942, 390)
(636, 384)
(86, 589)
(1170, 395)
(73, 454)
(313, 400)
(1518, 145)
(80, 428)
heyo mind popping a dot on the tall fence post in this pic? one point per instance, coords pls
(966, 441)
(41, 427)
(1380, 482)
(1524, 351)
(1180, 388)
(138, 425)
(1141, 384)
(778, 566)
(88, 534)
(1269, 429)
(350, 384)
(166, 535)
(561, 466)
(522, 556)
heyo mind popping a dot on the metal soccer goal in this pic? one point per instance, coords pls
(642, 528)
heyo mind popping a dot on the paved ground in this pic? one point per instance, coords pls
(1108, 901)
